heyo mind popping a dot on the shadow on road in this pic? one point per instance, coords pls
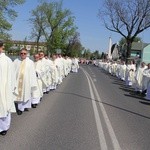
(126, 88)
(135, 96)
(145, 103)
(122, 109)
(77, 95)
(129, 111)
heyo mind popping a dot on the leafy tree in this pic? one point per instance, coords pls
(123, 40)
(87, 54)
(8, 45)
(32, 52)
(128, 18)
(55, 24)
(7, 14)
(103, 55)
(37, 20)
(95, 55)
(74, 47)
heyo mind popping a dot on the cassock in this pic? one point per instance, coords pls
(138, 85)
(123, 71)
(26, 82)
(59, 66)
(45, 70)
(75, 65)
(130, 74)
(55, 75)
(7, 86)
(146, 82)
(38, 93)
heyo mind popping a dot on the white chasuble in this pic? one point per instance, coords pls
(6, 86)
(26, 79)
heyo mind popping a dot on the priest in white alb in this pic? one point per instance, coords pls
(44, 72)
(130, 73)
(26, 81)
(146, 82)
(138, 84)
(38, 93)
(75, 65)
(7, 84)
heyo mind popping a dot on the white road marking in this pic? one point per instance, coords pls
(94, 76)
(101, 135)
(113, 137)
(94, 80)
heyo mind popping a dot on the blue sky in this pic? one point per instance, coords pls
(93, 34)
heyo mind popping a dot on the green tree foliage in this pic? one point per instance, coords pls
(53, 24)
(123, 40)
(74, 47)
(7, 14)
(8, 45)
(128, 18)
(37, 20)
(95, 55)
(87, 54)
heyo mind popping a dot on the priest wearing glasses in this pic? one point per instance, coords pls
(26, 81)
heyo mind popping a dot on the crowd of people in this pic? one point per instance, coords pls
(137, 77)
(25, 81)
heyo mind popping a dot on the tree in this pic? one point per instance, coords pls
(128, 18)
(74, 47)
(8, 45)
(7, 14)
(55, 24)
(95, 55)
(37, 22)
(87, 54)
(123, 40)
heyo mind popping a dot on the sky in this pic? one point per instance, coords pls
(93, 35)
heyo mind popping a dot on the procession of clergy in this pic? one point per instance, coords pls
(23, 81)
(137, 77)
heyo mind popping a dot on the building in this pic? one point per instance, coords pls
(30, 46)
(145, 57)
(137, 50)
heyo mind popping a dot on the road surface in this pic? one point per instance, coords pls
(90, 110)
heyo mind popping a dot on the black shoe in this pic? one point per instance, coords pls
(34, 105)
(3, 133)
(19, 112)
(26, 109)
(137, 92)
(47, 92)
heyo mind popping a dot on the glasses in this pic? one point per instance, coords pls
(23, 53)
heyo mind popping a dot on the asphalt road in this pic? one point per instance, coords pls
(90, 110)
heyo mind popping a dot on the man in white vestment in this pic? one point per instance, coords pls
(45, 72)
(63, 68)
(69, 64)
(75, 65)
(59, 65)
(55, 75)
(123, 70)
(138, 84)
(7, 85)
(146, 82)
(114, 68)
(26, 81)
(130, 73)
(38, 93)
(51, 74)
(118, 70)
